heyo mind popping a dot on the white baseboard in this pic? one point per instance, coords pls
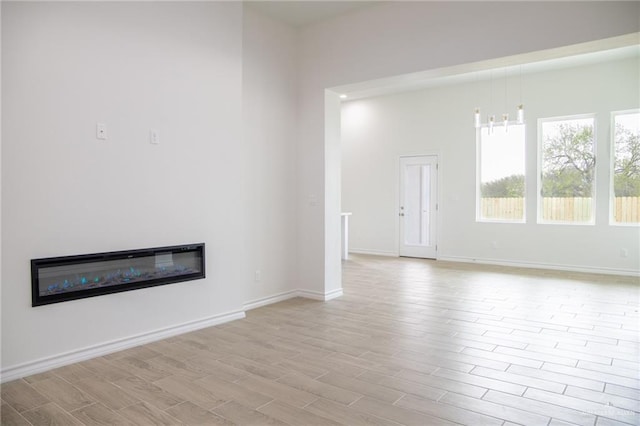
(333, 294)
(307, 294)
(49, 363)
(374, 252)
(535, 265)
(316, 295)
(264, 301)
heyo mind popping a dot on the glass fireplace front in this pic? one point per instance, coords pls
(58, 279)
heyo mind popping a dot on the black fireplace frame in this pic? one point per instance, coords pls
(37, 264)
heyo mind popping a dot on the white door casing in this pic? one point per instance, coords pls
(418, 206)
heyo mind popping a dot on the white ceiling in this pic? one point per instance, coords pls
(304, 12)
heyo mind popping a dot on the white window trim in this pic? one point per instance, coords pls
(539, 202)
(612, 163)
(479, 218)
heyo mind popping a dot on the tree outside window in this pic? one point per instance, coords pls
(567, 170)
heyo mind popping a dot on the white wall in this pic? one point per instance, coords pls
(402, 37)
(377, 131)
(269, 111)
(173, 67)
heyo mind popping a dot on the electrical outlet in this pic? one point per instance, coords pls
(258, 276)
(494, 245)
(624, 252)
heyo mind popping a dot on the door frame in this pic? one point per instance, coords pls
(438, 156)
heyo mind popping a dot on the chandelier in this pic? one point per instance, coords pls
(491, 118)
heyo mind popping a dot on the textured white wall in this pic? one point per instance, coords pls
(377, 131)
(269, 111)
(173, 67)
(403, 37)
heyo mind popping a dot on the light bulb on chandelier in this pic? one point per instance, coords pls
(520, 116)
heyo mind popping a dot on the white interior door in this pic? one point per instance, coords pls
(418, 206)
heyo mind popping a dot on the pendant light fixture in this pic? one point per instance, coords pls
(491, 118)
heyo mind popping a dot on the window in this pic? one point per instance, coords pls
(501, 173)
(626, 168)
(567, 170)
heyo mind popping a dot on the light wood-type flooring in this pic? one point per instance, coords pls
(411, 342)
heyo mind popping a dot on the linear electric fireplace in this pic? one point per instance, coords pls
(58, 279)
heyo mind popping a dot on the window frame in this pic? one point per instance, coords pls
(612, 167)
(539, 198)
(479, 218)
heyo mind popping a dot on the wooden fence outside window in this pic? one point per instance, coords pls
(566, 209)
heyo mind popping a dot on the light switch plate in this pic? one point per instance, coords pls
(101, 131)
(154, 137)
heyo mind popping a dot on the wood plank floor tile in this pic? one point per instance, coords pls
(601, 349)
(582, 405)
(241, 415)
(324, 390)
(504, 358)
(138, 352)
(105, 370)
(106, 393)
(453, 361)
(279, 391)
(447, 412)
(50, 414)
(142, 368)
(538, 357)
(411, 341)
(10, 417)
(604, 398)
(379, 392)
(188, 390)
(622, 391)
(397, 414)
(146, 414)
(487, 381)
(73, 373)
(627, 365)
(534, 404)
(22, 396)
(592, 375)
(331, 363)
(345, 415)
(629, 371)
(192, 414)
(98, 414)
(39, 377)
(294, 416)
(522, 380)
(489, 408)
(231, 391)
(259, 369)
(403, 379)
(63, 393)
(557, 377)
(212, 367)
(148, 392)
